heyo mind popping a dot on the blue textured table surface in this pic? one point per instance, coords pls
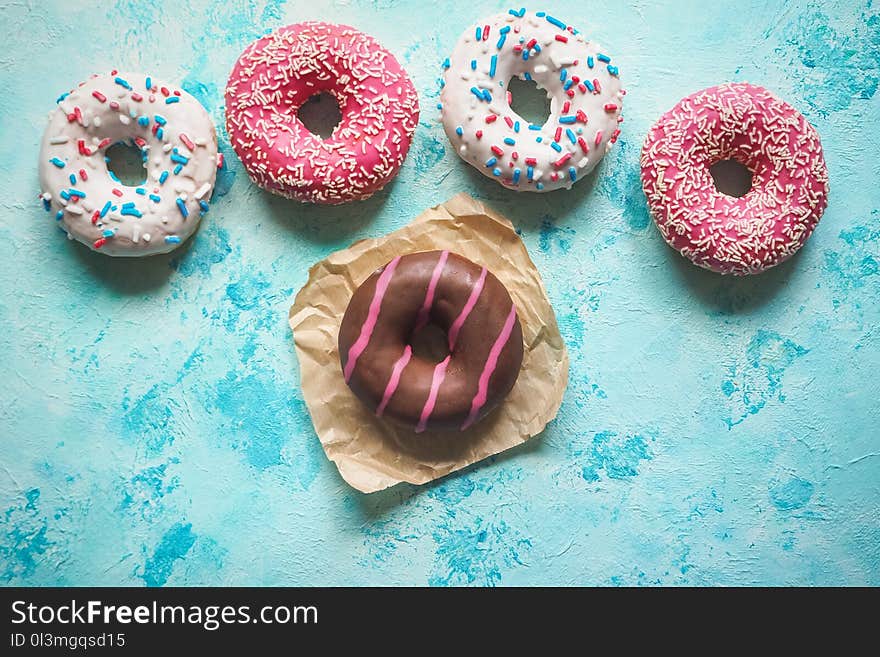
(715, 430)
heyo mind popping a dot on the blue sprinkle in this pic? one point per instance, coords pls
(556, 147)
(144, 120)
(510, 141)
(555, 21)
(177, 157)
(459, 131)
(541, 14)
(65, 195)
(76, 192)
(161, 120)
(505, 29)
(525, 55)
(58, 163)
(537, 48)
(203, 205)
(532, 126)
(516, 126)
(518, 14)
(172, 239)
(473, 64)
(172, 99)
(501, 40)
(148, 83)
(572, 173)
(491, 162)
(163, 177)
(613, 70)
(590, 61)
(446, 63)
(568, 119)
(442, 83)
(493, 63)
(476, 92)
(72, 179)
(47, 205)
(105, 209)
(62, 97)
(479, 33)
(589, 85)
(182, 207)
(108, 233)
(177, 169)
(155, 199)
(539, 186)
(568, 85)
(141, 191)
(571, 136)
(496, 171)
(122, 83)
(539, 139)
(530, 173)
(159, 133)
(516, 175)
(439, 106)
(603, 58)
(59, 215)
(130, 211)
(527, 76)
(563, 74)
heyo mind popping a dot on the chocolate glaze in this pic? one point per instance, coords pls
(490, 335)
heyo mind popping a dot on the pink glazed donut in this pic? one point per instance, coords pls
(789, 191)
(279, 72)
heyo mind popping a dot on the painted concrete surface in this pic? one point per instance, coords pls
(715, 431)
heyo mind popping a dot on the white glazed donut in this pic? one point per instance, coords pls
(579, 78)
(177, 141)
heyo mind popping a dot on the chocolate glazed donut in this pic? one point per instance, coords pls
(483, 334)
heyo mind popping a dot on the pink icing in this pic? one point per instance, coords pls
(279, 72)
(356, 349)
(773, 140)
(425, 311)
(431, 401)
(501, 341)
(452, 335)
(394, 380)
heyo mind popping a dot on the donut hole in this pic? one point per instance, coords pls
(320, 114)
(125, 164)
(430, 343)
(731, 178)
(527, 100)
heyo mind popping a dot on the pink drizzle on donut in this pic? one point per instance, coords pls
(468, 307)
(431, 401)
(425, 311)
(501, 341)
(369, 324)
(394, 381)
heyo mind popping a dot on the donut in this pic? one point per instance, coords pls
(177, 142)
(279, 72)
(779, 147)
(483, 337)
(581, 82)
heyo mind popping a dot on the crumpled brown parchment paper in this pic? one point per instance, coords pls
(372, 454)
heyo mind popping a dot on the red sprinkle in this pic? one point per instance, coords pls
(485, 32)
(558, 134)
(566, 107)
(186, 140)
(570, 93)
(497, 151)
(177, 93)
(479, 134)
(514, 155)
(575, 79)
(531, 44)
(508, 121)
(164, 91)
(140, 141)
(582, 116)
(564, 39)
(116, 192)
(78, 113)
(585, 147)
(614, 135)
(531, 161)
(83, 175)
(582, 88)
(562, 160)
(491, 118)
(610, 107)
(136, 97)
(554, 176)
(71, 117)
(81, 145)
(96, 216)
(114, 105)
(598, 137)
(101, 97)
(100, 242)
(597, 86)
(104, 143)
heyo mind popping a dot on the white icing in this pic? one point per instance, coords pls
(82, 143)
(461, 108)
